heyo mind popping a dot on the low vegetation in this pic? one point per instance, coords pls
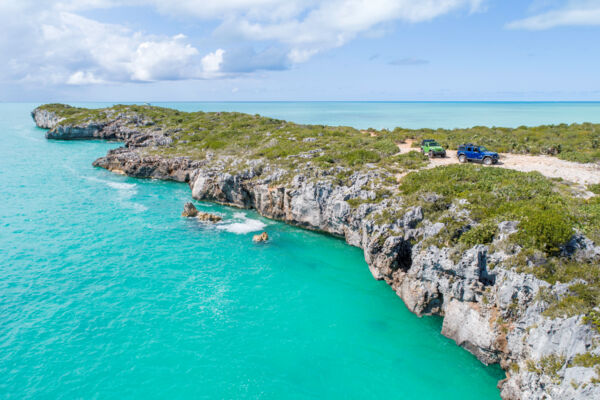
(575, 142)
(548, 216)
(231, 131)
(547, 213)
(549, 365)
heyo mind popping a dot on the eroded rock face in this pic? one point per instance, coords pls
(495, 313)
(45, 119)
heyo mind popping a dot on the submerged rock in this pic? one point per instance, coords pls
(263, 237)
(189, 210)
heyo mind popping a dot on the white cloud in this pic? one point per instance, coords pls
(574, 13)
(68, 48)
(333, 23)
(57, 45)
(83, 78)
(164, 60)
(211, 63)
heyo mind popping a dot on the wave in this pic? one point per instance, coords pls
(242, 225)
(121, 185)
(125, 191)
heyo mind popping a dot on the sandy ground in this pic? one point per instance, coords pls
(551, 167)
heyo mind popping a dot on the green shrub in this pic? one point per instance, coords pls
(594, 188)
(593, 319)
(495, 194)
(575, 142)
(587, 360)
(411, 160)
(361, 156)
(480, 234)
(548, 365)
(546, 229)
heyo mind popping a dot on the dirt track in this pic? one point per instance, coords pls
(551, 167)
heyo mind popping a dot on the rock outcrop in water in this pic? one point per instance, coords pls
(263, 237)
(189, 210)
(208, 217)
(488, 307)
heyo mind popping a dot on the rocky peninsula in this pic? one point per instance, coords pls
(509, 259)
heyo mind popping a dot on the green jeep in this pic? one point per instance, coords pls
(432, 148)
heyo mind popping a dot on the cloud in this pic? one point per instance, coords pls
(333, 23)
(83, 78)
(409, 61)
(211, 63)
(68, 48)
(167, 59)
(574, 13)
(58, 45)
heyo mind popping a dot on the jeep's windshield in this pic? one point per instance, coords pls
(433, 144)
(482, 149)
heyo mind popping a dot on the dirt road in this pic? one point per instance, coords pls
(552, 167)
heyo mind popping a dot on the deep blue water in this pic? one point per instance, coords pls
(106, 292)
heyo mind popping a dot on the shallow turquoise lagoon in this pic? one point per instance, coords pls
(106, 292)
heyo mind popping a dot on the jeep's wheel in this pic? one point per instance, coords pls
(462, 158)
(430, 154)
(487, 161)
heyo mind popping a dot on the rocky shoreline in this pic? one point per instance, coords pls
(487, 307)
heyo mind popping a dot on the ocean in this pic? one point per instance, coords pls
(107, 292)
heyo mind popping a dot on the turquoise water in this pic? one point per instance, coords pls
(413, 115)
(106, 292)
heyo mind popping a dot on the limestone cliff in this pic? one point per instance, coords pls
(487, 307)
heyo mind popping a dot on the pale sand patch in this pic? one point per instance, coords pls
(552, 167)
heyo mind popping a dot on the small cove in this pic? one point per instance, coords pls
(107, 292)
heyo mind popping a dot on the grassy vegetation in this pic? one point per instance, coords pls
(548, 365)
(575, 142)
(588, 360)
(411, 160)
(593, 319)
(548, 217)
(494, 195)
(232, 132)
(594, 188)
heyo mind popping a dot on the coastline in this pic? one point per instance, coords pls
(429, 280)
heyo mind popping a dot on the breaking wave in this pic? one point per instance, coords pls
(242, 225)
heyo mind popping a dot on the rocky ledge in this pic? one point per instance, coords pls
(488, 307)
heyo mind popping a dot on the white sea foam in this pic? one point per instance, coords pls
(242, 225)
(137, 207)
(121, 185)
(125, 191)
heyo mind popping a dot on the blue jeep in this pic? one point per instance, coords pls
(471, 152)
